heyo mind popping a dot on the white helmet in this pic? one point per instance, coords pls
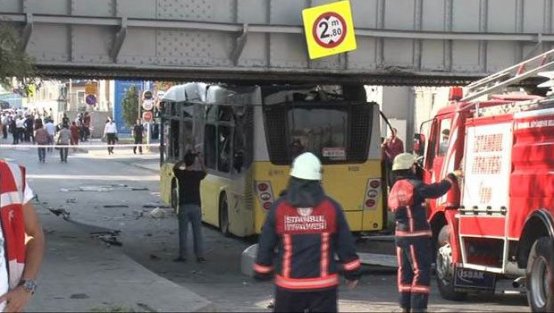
(306, 166)
(403, 161)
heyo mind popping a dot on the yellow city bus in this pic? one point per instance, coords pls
(248, 136)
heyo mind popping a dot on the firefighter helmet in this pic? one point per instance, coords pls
(403, 161)
(306, 166)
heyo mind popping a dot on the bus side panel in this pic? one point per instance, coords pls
(210, 188)
(239, 195)
(166, 177)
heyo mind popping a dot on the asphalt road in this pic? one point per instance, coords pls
(113, 192)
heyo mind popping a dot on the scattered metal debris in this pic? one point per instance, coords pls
(79, 296)
(145, 307)
(73, 200)
(105, 232)
(138, 214)
(110, 240)
(105, 188)
(157, 213)
(59, 212)
(154, 205)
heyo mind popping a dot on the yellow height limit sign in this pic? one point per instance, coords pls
(329, 29)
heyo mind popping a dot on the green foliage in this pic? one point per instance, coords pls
(130, 106)
(14, 62)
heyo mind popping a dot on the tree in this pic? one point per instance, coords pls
(14, 62)
(130, 106)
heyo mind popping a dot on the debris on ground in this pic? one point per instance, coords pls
(79, 296)
(111, 206)
(105, 188)
(105, 232)
(154, 257)
(110, 240)
(157, 213)
(59, 212)
(154, 205)
(72, 200)
(138, 213)
(145, 307)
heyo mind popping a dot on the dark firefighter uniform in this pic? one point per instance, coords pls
(307, 238)
(413, 232)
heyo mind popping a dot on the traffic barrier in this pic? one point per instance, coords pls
(130, 145)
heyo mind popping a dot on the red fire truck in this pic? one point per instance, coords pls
(499, 222)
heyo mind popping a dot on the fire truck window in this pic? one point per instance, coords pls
(444, 136)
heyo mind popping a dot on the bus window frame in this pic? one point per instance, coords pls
(174, 111)
(217, 123)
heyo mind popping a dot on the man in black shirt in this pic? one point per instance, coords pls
(189, 205)
(138, 132)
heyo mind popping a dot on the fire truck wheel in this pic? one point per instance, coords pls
(224, 215)
(175, 196)
(540, 276)
(445, 268)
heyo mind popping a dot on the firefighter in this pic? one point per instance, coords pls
(413, 232)
(308, 228)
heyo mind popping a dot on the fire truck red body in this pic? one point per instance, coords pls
(499, 221)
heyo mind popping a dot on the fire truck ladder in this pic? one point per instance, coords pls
(509, 76)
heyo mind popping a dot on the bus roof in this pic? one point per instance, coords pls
(186, 92)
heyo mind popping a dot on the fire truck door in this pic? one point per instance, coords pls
(438, 145)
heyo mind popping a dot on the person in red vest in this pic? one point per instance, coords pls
(413, 232)
(23, 256)
(308, 228)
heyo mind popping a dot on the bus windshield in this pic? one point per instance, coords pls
(335, 133)
(319, 131)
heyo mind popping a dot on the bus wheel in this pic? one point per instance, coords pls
(224, 215)
(445, 268)
(175, 196)
(540, 272)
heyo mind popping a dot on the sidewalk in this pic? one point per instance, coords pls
(118, 149)
(79, 273)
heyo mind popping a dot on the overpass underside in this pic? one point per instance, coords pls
(409, 42)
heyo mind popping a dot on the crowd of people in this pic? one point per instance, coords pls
(34, 127)
(24, 126)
